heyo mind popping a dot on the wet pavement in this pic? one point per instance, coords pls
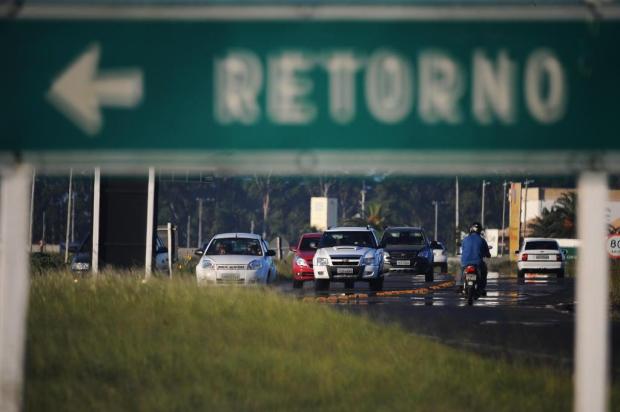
(525, 320)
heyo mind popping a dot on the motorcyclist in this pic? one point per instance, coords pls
(475, 249)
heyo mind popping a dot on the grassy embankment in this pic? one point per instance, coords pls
(120, 344)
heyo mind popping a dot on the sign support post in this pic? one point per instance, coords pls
(150, 211)
(94, 264)
(14, 283)
(592, 296)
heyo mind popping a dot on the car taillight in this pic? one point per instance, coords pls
(470, 269)
(524, 257)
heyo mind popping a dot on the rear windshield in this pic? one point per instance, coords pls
(541, 244)
(414, 238)
(235, 246)
(361, 239)
(309, 243)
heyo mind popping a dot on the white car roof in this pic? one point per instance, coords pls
(348, 229)
(233, 235)
(538, 239)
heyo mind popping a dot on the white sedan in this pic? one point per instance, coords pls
(236, 258)
(541, 255)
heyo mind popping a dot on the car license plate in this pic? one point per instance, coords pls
(230, 276)
(470, 277)
(345, 270)
(403, 262)
(542, 257)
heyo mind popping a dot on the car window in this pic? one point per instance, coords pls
(413, 238)
(361, 239)
(235, 246)
(309, 244)
(541, 244)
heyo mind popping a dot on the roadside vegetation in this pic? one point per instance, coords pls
(118, 343)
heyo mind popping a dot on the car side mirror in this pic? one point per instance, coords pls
(271, 252)
(293, 249)
(517, 252)
(198, 252)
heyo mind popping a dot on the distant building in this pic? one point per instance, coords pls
(323, 212)
(540, 198)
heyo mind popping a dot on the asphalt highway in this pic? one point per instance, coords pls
(530, 320)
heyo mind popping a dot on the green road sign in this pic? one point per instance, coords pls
(203, 84)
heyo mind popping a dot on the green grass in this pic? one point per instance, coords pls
(118, 344)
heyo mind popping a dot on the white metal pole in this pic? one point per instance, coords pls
(169, 233)
(189, 227)
(14, 284)
(592, 295)
(73, 218)
(34, 178)
(94, 264)
(150, 218)
(68, 231)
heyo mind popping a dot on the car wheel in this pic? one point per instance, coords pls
(561, 273)
(521, 274)
(298, 284)
(444, 268)
(376, 285)
(349, 284)
(321, 284)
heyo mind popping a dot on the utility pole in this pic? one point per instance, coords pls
(457, 231)
(43, 233)
(73, 218)
(484, 185)
(200, 200)
(501, 250)
(34, 177)
(68, 231)
(435, 204)
(526, 184)
(363, 203)
(187, 233)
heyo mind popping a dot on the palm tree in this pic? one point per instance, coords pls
(559, 221)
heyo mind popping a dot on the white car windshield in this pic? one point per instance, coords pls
(361, 239)
(235, 246)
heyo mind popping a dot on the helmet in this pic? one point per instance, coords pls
(475, 227)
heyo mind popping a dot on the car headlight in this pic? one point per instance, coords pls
(369, 261)
(386, 255)
(255, 264)
(300, 261)
(321, 261)
(208, 264)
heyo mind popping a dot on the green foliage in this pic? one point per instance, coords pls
(41, 263)
(118, 344)
(557, 222)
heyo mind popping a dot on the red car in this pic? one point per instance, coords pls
(302, 261)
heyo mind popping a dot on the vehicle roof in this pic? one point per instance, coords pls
(536, 239)
(349, 229)
(403, 228)
(315, 234)
(241, 235)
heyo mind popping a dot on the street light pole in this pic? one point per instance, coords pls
(484, 185)
(436, 204)
(501, 250)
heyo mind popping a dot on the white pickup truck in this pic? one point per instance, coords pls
(348, 254)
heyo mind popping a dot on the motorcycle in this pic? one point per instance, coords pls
(471, 278)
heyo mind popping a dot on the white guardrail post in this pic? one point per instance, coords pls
(14, 283)
(592, 295)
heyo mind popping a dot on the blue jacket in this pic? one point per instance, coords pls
(475, 249)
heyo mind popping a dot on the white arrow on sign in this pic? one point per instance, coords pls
(80, 91)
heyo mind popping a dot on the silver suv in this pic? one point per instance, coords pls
(348, 254)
